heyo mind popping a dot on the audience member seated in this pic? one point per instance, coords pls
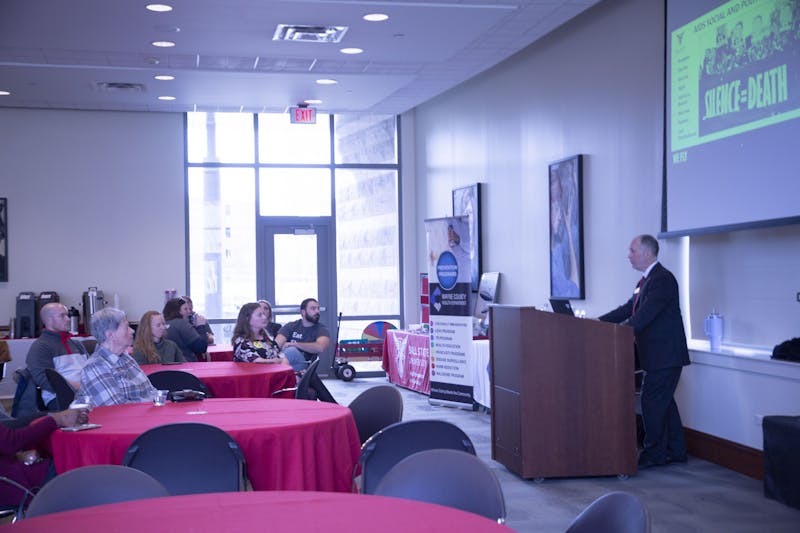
(55, 349)
(150, 346)
(272, 327)
(112, 376)
(251, 342)
(303, 340)
(22, 455)
(180, 330)
(198, 321)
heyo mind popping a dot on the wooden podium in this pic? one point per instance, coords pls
(563, 400)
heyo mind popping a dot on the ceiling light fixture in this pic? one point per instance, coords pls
(164, 77)
(5, 93)
(351, 51)
(167, 98)
(158, 8)
(312, 102)
(376, 17)
(163, 44)
(326, 81)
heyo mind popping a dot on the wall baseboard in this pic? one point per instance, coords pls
(731, 455)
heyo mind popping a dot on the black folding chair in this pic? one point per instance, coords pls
(17, 511)
(376, 408)
(446, 477)
(301, 390)
(175, 380)
(396, 442)
(93, 485)
(621, 512)
(64, 391)
(189, 458)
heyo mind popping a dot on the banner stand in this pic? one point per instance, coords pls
(449, 276)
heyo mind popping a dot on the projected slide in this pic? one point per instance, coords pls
(733, 114)
(734, 69)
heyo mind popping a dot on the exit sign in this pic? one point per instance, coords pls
(303, 115)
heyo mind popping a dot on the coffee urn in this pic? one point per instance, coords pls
(93, 301)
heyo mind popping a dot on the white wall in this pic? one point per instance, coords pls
(94, 199)
(584, 89)
(595, 87)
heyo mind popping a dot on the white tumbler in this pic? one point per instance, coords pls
(713, 330)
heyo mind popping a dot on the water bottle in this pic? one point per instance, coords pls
(713, 326)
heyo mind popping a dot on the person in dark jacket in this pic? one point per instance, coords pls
(654, 313)
(180, 330)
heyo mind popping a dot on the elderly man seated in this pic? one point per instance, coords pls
(112, 376)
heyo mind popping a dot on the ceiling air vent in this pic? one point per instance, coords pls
(309, 34)
(119, 87)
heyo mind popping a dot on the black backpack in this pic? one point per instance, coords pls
(788, 350)
(28, 397)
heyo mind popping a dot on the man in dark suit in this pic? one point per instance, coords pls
(654, 313)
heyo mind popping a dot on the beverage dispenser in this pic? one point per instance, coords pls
(93, 301)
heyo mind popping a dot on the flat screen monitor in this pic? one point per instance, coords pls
(562, 307)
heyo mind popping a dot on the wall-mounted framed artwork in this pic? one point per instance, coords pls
(566, 228)
(467, 202)
(3, 239)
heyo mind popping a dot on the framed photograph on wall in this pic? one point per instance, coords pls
(566, 228)
(3, 239)
(467, 202)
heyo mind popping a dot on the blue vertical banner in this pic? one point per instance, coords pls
(450, 278)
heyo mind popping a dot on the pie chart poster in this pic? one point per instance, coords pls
(450, 276)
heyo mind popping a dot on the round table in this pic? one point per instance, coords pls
(220, 352)
(288, 444)
(236, 380)
(256, 511)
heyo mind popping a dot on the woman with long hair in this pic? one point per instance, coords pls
(181, 332)
(251, 341)
(150, 347)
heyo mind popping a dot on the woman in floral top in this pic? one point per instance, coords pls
(251, 342)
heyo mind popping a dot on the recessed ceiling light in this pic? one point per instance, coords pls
(376, 17)
(312, 101)
(166, 98)
(5, 93)
(163, 44)
(351, 50)
(158, 8)
(326, 81)
(164, 77)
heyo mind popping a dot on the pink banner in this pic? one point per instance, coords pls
(406, 360)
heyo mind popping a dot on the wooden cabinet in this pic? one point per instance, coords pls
(562, 394)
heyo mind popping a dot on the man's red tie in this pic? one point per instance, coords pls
(636, 296)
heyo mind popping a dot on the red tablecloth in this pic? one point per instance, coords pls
(406, 360)
(220, 352)
(236, 380)
(264, 511)
(288, 444)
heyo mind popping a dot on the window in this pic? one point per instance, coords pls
(234, 189)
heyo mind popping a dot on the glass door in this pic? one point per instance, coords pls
(296, 262)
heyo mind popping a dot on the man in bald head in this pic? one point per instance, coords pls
(55, 349)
